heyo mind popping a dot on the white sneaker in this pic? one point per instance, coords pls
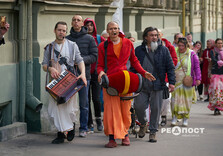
(185, 122)
(174, 121)
(82, 134)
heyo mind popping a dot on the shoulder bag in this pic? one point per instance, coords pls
(187, 80)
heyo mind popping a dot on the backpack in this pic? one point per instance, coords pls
(98, 39)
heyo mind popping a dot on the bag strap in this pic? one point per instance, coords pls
(152, 62)
(106, 46)
(58, 54)
(188, 63)
(50, 64)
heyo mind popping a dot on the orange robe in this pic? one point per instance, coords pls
(117, 115)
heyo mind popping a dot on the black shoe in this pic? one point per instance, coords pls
(207, 100)
(70, 135)
(99, 124)
(59, 139)
(163, 122)
(217, 112)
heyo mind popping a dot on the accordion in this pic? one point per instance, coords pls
(63, 88)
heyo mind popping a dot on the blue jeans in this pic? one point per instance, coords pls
(83, 104)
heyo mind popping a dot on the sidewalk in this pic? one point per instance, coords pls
(208, 143)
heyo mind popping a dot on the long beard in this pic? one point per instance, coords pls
(154, 46)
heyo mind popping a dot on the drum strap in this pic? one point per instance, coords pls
(106, 46)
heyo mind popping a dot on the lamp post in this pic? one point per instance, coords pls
(183, 16)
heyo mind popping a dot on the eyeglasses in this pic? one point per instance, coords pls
(182, 39)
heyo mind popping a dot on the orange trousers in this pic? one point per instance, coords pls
(117, 116)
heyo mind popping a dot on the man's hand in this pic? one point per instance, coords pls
(171, 87)
(83, 77)
(4, 30)
(100, 75)
(149, 76)
(54, 73)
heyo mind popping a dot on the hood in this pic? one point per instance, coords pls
(95, 29)
(75, 34)
(167, 43)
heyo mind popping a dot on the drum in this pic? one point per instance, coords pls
(122, 83)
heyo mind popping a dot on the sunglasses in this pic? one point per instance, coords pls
(182, 39)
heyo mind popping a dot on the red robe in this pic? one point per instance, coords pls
(205, 74)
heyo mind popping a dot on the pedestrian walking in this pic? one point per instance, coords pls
(88, 50)
(94, 88)
(63, 115)
(154, 58)
(184, 94)
(216, 82)
(117, 116)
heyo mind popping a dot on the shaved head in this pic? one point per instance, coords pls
(113, 30)
(113, 23)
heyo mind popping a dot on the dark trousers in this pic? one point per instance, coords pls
(95, 90)
(142, 102)
(200, 89)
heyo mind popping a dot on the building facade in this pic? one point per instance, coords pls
(22, 80)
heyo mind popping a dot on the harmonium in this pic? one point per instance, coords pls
(63, 88)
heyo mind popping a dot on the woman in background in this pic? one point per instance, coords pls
(198, 50)
(206, 70)
(216, 83)
(183, 96)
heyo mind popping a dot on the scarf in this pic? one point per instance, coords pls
(218, 50)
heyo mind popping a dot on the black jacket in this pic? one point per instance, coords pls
(87, 47)
(163, 64)
(214, 59)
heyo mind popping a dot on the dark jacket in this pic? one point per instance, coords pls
(214, 60)
(87, 47)
(163, 64)
(95, 35)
